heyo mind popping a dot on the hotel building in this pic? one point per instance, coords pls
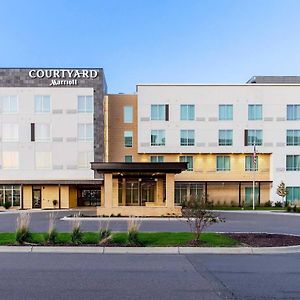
(151, 150)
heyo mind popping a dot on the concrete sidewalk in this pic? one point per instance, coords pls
(150, 250)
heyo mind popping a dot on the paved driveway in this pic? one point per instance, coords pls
(94, 276)
(235, 222)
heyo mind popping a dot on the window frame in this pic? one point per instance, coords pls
(293, 139)
(223, 116)
(85, 125)
(257, 116)
(9, 97)
(249, 166)
(294, 159)
(223, 168)
(128, 109)
(162, 137)
(85, 110)
(294, 109)
(189, 141)
(43, 111)
(226, 139)
(189, 110)
(190, 164)
(130, 144)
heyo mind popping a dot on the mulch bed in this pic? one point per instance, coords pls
(265, 239)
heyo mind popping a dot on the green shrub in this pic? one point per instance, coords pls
(104, 233)
(288, 208)
(278, 204)
(22, 229)
(268, 204)
(51, 237)
(77, 236)
(7, 204)
(294, 208)
(298, 209)
(133, 226)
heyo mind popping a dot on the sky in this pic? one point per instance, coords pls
(154, 41)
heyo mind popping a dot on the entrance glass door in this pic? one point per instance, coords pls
(132, 192)
(147, 191)
(36, 197)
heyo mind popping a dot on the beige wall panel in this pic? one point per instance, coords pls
(115, 193)
(64, 194)
(49, 193)
(27, 196)
(72, 197)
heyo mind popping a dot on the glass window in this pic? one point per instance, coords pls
(158, 138)
(85, 104)
(128, 158)
(223, 163)
(10, 132)
(42, 132)
(43, 160)
(293, 162)
(293, 137)
(250, 163)
(293, 193)
(10, 160)
(225, 112)
(188, 191)
(10, 193)
(9, 104)
(254, 112)
(253, 137)
(187, 112)
(128, 136)
(187, 137)
(157, 158)
(128, 114)
(188, 159)
(42, 104)
(84, 159)
(160, 112)
(293, 112)
(225, 137)
(85, 132)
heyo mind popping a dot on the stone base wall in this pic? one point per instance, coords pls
(140, 211)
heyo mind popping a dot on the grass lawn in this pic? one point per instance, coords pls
(155, 239)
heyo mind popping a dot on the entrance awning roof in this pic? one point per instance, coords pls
(139, 167)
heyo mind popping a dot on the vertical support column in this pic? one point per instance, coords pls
(59, 197)
(205, 190)
(259, 193)
(240, 193)
(170, 187)
(159, 192)
(123, 191)
(108, 190)
(102, 195)
(22, 200)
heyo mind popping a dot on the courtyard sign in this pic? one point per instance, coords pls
(63, 76)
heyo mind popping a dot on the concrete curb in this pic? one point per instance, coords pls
(150, 250)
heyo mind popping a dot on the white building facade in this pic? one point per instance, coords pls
(225, 120)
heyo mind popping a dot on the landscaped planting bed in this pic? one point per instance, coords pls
(265, 239)
(146, 239)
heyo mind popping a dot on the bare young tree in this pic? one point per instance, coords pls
(198, 214)
(282, 192)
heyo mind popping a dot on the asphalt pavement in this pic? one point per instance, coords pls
(234, 222)
(93, 276)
